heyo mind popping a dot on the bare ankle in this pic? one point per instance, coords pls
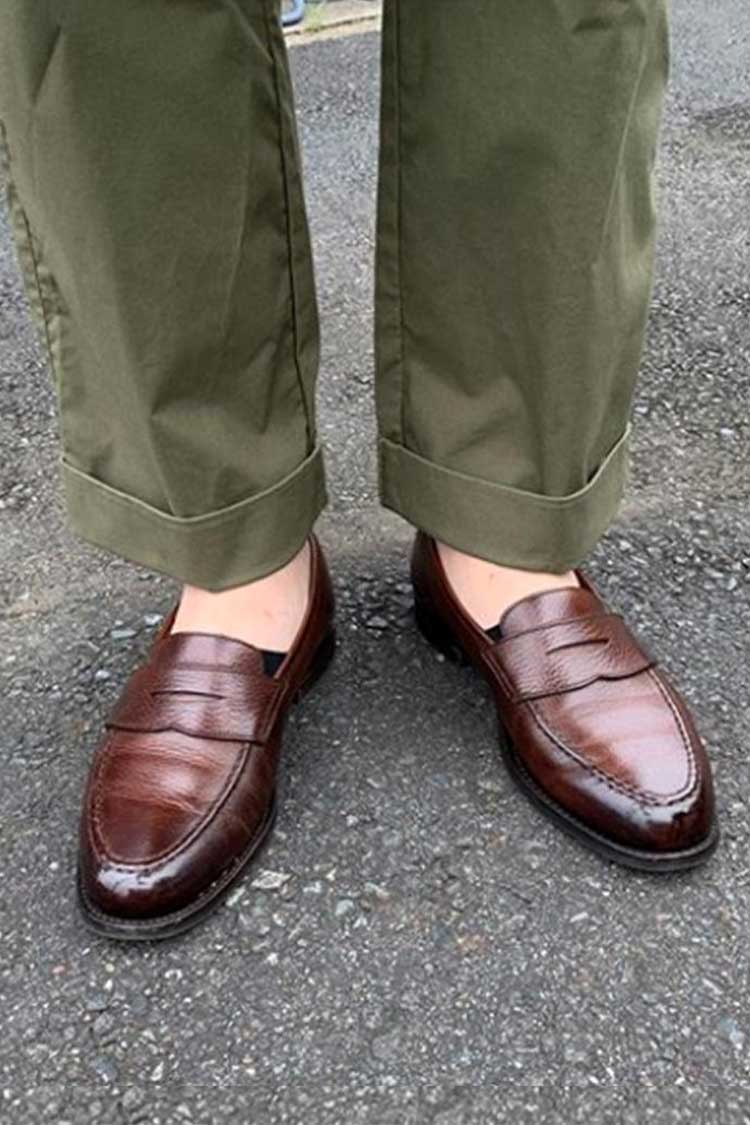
(266, 613)
(487, 589)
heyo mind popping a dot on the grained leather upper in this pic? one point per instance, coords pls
(184, 779)
(204, 686)
(594, 720)
(571, 651)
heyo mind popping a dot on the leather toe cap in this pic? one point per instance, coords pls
(626, 765)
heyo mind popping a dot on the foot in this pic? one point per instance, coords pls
(594, 732)
(486, 590)
(266, 614)
(182, 791)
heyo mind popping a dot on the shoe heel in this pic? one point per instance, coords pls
(321, 661)
(436, 633)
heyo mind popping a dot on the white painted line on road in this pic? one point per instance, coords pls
(354, 19)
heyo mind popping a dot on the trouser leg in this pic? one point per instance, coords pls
(155, 193)
(516, 228)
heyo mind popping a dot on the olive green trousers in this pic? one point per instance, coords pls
(155, 191)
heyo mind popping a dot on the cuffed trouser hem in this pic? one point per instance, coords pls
(225, 548)
(501, 524)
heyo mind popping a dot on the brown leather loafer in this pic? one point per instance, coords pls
(594, 732)
(182, 790)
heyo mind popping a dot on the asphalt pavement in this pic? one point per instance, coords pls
(432, 952)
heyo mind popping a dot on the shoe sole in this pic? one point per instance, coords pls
(177, 922)
(439, 637)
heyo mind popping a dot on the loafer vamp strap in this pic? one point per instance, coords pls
(220, 703)
(567, 655)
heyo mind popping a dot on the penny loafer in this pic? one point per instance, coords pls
(182, 789)
(594, 732)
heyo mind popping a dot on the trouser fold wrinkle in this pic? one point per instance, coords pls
(155, 193)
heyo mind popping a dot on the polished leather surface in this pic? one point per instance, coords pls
(593, 721)
(184, 782)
